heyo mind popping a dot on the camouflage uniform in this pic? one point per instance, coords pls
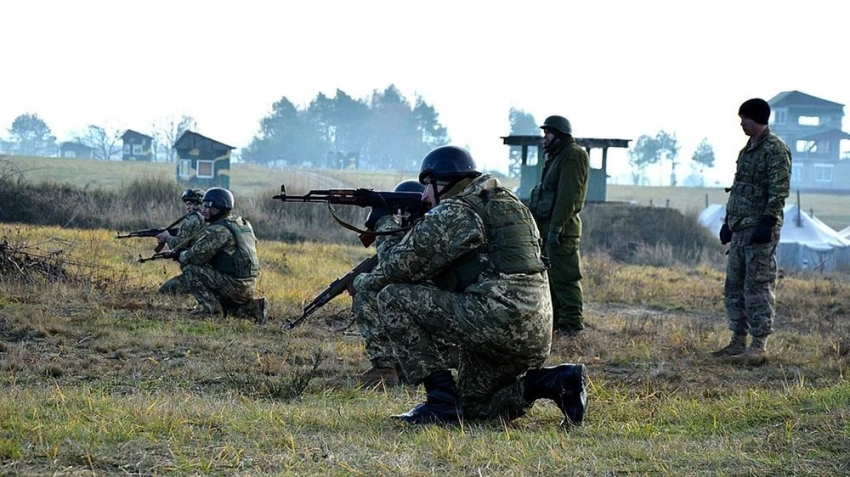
(365, 303)
(762, 182)
(192, 224)
(556, 203)
(221, 267)
(439, 286)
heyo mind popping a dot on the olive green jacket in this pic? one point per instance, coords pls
(558, 199)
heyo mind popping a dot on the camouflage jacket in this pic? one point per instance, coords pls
(219, 240)
(558, 199)
(191, 225)
(762, 182)
(446, 235)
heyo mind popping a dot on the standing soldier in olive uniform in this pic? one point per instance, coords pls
(192, 223)
(365, 303)
(221, 267)
(469, 276)
(752, 225)
(556, 203)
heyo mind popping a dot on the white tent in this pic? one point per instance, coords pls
(805, 241)
(712, 218)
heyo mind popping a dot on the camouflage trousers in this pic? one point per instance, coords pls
(497, 342)
(565, 283)
(379, 350)
(174, 286)
(213, 289)
(750, 282)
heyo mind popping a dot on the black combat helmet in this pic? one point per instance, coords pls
(218, 198)
(558, 123)
(409, 185)
(193, 195)
(447, 163)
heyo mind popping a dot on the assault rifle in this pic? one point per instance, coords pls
(172, 230)
(334, 290)
(173, 254)
(397, 202)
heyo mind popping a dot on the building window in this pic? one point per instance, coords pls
(823, 146)
(779, 117)
(128, 148)
(70, 154)
(137, 149)
(808, 121)
(806, 146)
(796, 173)
(185, 170)
(205, 170)
(823, 172)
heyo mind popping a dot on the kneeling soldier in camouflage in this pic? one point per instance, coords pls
(191, 226)
(221, 267)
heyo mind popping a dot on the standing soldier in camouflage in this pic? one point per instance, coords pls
(365, 303)
(192, 224)
(752, 225)
(556, 203)
(221, 267)
(469, 276)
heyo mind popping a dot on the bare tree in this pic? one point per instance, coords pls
(103, 141)
(168, 131)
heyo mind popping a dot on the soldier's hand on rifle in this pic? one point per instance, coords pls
(375, 215)
(161, 237)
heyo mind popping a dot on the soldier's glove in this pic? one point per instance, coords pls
(764, 230)
(553, 239)
(375, 215)
(725, 234)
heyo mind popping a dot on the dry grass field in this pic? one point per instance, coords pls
(101, 376)
(254, 180)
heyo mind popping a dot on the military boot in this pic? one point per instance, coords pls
(565, 384)
(259, 311)
(378, 375)
(756, 353)
(737, 345)
(442, 403)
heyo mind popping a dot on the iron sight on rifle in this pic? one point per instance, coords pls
(396, 202)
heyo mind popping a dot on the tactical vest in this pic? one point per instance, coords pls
(242, 263)
(512, 240)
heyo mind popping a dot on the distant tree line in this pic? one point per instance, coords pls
(649, 150)
(383, 131)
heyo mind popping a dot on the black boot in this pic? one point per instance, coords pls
(565, 384)
(441, 403)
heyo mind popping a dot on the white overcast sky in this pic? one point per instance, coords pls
(615, 68)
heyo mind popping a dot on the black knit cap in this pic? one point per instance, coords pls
(756, 109)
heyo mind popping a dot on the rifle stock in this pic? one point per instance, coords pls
(333, 290)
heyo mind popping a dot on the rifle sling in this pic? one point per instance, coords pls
(367, 232)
